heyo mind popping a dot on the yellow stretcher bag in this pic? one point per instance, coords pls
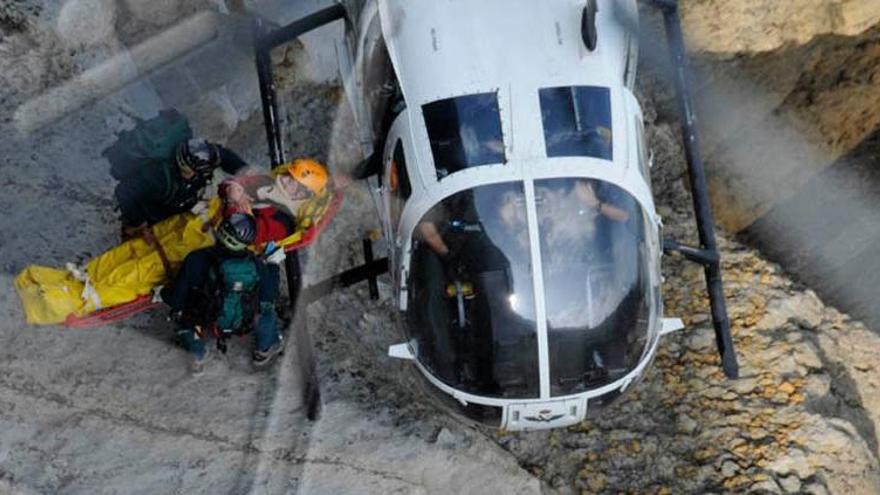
(135, 267)
(307, 216)
(48, 295)
(117, 276)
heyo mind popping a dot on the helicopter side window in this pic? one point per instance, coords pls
(464, 132)
(577, 121)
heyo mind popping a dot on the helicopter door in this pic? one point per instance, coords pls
(396, 184)
(351, 52)
(345, 58)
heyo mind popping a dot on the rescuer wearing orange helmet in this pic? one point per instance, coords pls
(303, 173)
(289, 188)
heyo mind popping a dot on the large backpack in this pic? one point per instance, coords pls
(149, 142)
(229, 298)
(237, 281)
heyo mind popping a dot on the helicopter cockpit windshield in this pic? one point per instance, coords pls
(597, 291)
(473, 308)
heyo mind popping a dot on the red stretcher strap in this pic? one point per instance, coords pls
(104, 316)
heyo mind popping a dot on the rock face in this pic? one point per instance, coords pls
(86, 22)
(789, 109)
(785, 89)
(764, 26)
(154, 11)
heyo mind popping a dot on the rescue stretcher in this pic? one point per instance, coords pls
(296, 241)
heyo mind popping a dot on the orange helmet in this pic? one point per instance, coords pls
(307, 172)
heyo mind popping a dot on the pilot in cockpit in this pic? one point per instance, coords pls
(567, 209)
(473, 274)
(457, 233)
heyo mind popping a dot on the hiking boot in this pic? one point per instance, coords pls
(261, 359)
(197, 364)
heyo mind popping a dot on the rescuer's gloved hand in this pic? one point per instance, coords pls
(200, 207)
(132, 231)
(176, 315)
(273, 254)
(277, 257)
(451, 264)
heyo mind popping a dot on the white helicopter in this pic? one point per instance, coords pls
(507, 156)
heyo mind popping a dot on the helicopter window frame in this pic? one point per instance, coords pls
(477, 230)
(590, 254)
(577, 121)
(459, 143)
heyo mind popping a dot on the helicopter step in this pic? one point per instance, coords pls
(367, 272)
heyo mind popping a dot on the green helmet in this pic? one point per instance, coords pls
(237, 232)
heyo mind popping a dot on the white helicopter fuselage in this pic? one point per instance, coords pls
(407, 66)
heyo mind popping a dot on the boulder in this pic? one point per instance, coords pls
(86, 22)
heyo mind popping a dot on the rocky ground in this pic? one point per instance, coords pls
(113, 411)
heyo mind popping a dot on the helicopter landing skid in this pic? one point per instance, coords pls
(707, 254)
(264, 40)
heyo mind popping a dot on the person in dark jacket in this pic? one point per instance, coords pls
(156, 191)
(194, 304)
